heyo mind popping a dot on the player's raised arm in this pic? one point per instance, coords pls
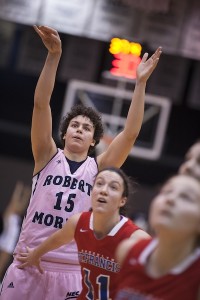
(43, 146)
(121, 145)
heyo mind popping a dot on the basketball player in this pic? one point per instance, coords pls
(97, 234)
(168, 266)
(63, 178)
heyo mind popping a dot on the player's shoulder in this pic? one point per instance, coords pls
(131, 245)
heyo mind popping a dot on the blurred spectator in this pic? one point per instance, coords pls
(191, 163)
(10, 224)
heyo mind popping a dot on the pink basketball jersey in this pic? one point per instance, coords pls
(56, 195)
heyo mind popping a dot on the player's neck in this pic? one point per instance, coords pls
(75, 156)
(102, 226)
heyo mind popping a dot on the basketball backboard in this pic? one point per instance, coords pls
(113, 104)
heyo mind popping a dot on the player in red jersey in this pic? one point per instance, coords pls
(97, 234)
(168, 266)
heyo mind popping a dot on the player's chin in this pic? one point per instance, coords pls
(99, 209)
(77, 147)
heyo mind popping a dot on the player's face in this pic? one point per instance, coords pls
(107, 192)
(176, 209)
(79, 135)
(191, 165)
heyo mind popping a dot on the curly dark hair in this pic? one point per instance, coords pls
(89, 112)
(128, 186)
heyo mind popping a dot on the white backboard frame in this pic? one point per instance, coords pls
(115, 120)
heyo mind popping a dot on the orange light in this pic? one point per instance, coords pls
(125, 65)
(127, 57)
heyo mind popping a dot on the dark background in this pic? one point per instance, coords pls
(176, 77)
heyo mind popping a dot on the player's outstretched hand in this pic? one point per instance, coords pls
(50, 38)
(29, 259)
(147, 65)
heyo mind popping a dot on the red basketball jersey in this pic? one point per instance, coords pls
(181, 283)
(97, 257)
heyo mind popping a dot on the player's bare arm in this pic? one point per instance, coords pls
(121, 145)
(61, 237)
(43, 146)
(124, 247)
